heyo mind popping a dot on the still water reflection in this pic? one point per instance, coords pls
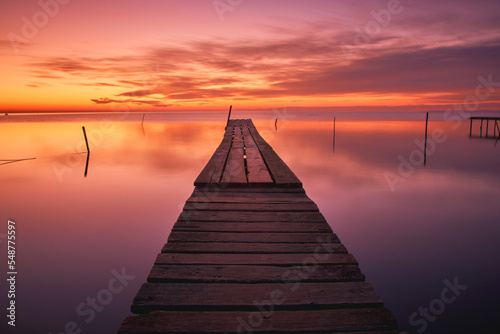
(76, 233)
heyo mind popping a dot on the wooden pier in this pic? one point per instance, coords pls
(496, 128)
(251, 253)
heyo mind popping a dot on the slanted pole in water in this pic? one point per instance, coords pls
(86, 141)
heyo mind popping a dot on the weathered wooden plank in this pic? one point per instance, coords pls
(250, 194)
(250, 216)
(185, 236)
(378, 320)
(249, 200)
(212, 173)
(249, 142)
(326, 246)
(217, 296)
(234, 173)
(254, 274)
(230, 126)
(237, 138)
(253, 227)
(255, 259)
(260, 207)
(258, 174)
(263, 190)
(281, 173)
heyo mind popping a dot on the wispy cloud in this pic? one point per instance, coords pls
(137, 93)
(304, 63)
(140, 102)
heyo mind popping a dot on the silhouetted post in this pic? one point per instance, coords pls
(425, 147)
(143, 115)
(470, 133)
(86, 141)
(487, 126)
(228, 116)
(276, 124)
(481, 129)
(334, 134)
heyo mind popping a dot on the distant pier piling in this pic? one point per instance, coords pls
(496, 128)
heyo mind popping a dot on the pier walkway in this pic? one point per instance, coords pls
(251, 253)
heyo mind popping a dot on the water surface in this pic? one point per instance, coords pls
(409, 234)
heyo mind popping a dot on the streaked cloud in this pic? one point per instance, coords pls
(429, 53)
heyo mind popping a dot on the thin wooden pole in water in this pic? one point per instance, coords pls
(470, 133)
(228, 116)
(143, 115)
(425, 147)
(334, 134)
(9, 161)
(86, 141)
(276, 124)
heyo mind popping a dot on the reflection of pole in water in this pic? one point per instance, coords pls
(142, 125)
(425, 146)
(88, 150)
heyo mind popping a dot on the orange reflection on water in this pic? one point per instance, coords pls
(74, 229)
(139, 177)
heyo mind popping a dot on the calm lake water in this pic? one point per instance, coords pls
(414, 230)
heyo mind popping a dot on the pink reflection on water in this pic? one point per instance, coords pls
(439, 223)
(73, 230)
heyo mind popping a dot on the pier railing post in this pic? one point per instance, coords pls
(228, 117)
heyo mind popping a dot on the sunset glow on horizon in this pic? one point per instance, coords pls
(68, 55)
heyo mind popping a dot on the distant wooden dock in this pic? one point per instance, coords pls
(496, 128)
(251, 253)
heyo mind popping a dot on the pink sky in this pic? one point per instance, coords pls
(255, 54)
